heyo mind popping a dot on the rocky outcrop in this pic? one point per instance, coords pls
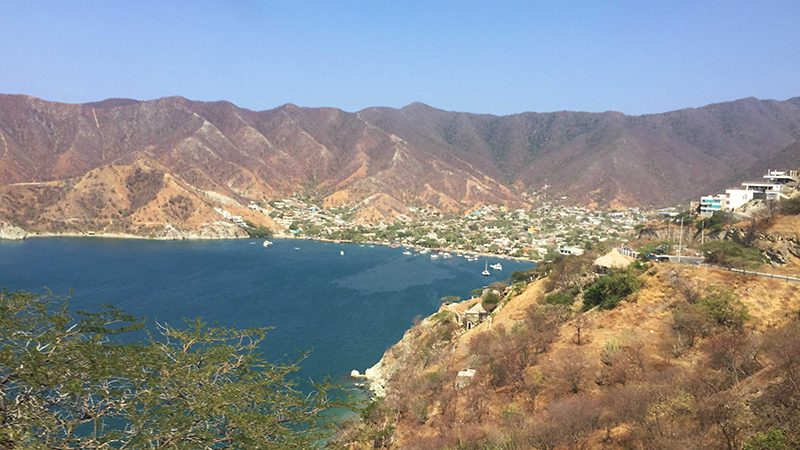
(778, 248)
(212, 230)
(11, 232)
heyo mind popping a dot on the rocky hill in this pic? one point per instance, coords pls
(696, 358)
(125, 165)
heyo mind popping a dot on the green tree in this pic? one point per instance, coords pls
(610, 289)
(773, 439)
(69, 381)
(728, 253)
(490, 300)
(724, 308)
(259, 231)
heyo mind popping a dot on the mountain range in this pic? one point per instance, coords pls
(122, 165)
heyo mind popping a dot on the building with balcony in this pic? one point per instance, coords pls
(782, 176)
(709, 204)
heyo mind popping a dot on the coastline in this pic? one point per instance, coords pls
(283, 236)
(126, 236)
(415, 247)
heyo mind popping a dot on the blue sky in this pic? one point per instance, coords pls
(493, 56)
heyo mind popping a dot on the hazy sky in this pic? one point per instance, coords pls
(493, 56)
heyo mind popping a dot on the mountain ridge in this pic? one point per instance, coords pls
(415, 155)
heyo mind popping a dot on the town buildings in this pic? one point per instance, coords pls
(770, 189)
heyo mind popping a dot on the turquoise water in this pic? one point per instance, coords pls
(345, 309)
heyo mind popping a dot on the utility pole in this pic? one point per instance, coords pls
(680, 241)
(702, 232)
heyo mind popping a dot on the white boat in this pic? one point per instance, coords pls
(266, 243)
(434, 256)
(446, 255)
(485, 270)
(497, 266)
(423, 251)
(341, 252)
(407, 253)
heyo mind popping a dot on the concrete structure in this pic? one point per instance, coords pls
(733, 199)
(782, 176)
(762, 186)
(709, 204)
(570, 251)
(475, 315)
(736, 198)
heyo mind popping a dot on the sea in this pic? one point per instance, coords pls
(345, 309)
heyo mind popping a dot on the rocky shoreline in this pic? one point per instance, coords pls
(209, 231)
(11, 232)
(217, 231)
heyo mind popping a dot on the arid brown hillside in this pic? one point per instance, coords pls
(415, 155)
(697, 358)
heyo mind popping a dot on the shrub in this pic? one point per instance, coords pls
(559, 298)
(725, 309)
(490, 301)
(716, 222)
(790, 206)
(259, 231)
(523, 276)
(610, 289)
(773, 439)
(728, 253)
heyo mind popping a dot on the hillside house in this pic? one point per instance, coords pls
(570, 250)
(709, 204)
(474, 316)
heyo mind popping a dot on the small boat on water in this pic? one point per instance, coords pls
(434, 256)
(267, 243)
(341, 252)
(297, 248)
(446, 255)
(485, 270)
(424, 251)
(406, 252)
(497, 266)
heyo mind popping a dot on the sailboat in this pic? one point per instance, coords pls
(485, 269)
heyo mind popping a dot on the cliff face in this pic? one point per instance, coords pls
(651, 373)
(123, 164)
(11, 232)
(778, 238)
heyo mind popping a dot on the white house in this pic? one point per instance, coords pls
(782, 176)
(569, 250)
(709, 204)
(736, 198)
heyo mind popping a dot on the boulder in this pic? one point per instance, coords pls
(11, 232)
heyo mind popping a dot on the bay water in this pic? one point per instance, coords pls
(345, 309)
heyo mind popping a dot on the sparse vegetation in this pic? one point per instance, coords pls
(258, 231)
(540, 385)
(790, 206)
(728, 253)
(69, 381)
(610, 289)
